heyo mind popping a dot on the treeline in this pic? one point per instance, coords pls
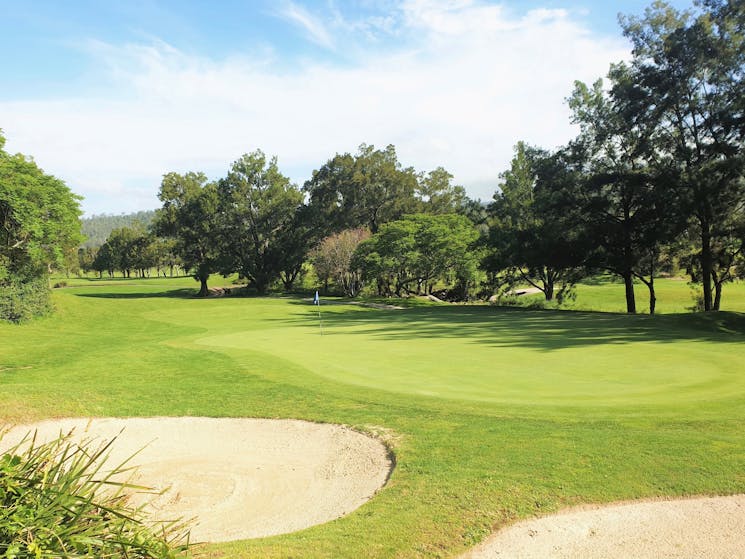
(97, 228)
(130, 251)
(653, 183)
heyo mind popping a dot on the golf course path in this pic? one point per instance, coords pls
(700, 528)
(238, 478)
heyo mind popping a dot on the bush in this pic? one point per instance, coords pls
(21, 300)
(56, 500)
(60, 284)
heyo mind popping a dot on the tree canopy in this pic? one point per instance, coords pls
(39, 230)
(258, 205)
(39, 218)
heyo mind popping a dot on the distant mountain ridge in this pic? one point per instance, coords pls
(97, 228)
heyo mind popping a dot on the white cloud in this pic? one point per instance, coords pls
(314, 28)
(471, 82)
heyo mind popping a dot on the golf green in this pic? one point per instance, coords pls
(518, 357)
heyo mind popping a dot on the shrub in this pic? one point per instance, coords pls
(56, 500)
(21, 300)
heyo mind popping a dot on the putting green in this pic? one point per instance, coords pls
(503, 356)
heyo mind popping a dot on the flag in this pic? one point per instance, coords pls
(316, 300)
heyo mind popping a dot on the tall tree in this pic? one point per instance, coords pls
(258, 206)
(626, 196)
(535, 235)
(39, 219)
(438, 195)
(39, 232)
(297, 239)
(190, 217)
(126, 245)
(687, 76)
(104, 261)
(365, 190)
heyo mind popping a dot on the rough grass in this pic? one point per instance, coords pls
(494, 414)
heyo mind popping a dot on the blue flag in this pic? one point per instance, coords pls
(316, 300)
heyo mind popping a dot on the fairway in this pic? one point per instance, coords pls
(492, 414)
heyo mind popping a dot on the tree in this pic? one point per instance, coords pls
(165, 255)
(534, 235)
(688, 84)
(258, 206)
(104, 261)
(332, 260)
(123, 246)
(332, 199)
(297, 239)
(39, 219)
(626, 197)
(438, 195)
(366, 190)
(86, 257)
(39, 232)
(411, 254)
(190, 217)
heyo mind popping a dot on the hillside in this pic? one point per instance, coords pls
(97, 228)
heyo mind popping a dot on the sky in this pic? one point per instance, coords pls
(111, 95)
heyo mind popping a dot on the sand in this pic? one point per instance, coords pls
(698, 528)
(238, 478)
(248, 478)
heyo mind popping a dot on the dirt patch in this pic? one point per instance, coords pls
(701, 528)
(239, 478)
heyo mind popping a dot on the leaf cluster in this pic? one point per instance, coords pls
(57, 499)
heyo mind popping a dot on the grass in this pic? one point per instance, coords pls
(673, 296)
(494, 414)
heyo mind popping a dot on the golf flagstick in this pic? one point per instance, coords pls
(317, 302)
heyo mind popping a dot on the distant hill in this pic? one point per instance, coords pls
(98, 227)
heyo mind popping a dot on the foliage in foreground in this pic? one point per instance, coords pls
(56, 500)
(23, 300)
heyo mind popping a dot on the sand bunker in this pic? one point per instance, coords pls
(239, 478)
(704, 528)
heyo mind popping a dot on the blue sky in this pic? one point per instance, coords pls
(109, 96)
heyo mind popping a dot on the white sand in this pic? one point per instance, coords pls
(239, 478)
(700, 528)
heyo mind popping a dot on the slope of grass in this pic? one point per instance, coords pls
(493, 414)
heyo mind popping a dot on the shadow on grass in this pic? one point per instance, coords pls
(540, 329)
(185, 293)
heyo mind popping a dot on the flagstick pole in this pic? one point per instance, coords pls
(317, 301)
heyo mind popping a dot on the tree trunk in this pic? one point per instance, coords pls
(548, 290)
(628, 280)
(717, 296)
(652, 297)
(706, 266)
(203, 291)
(261, 285)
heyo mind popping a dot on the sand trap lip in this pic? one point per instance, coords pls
(239, 478)
(703, 527)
